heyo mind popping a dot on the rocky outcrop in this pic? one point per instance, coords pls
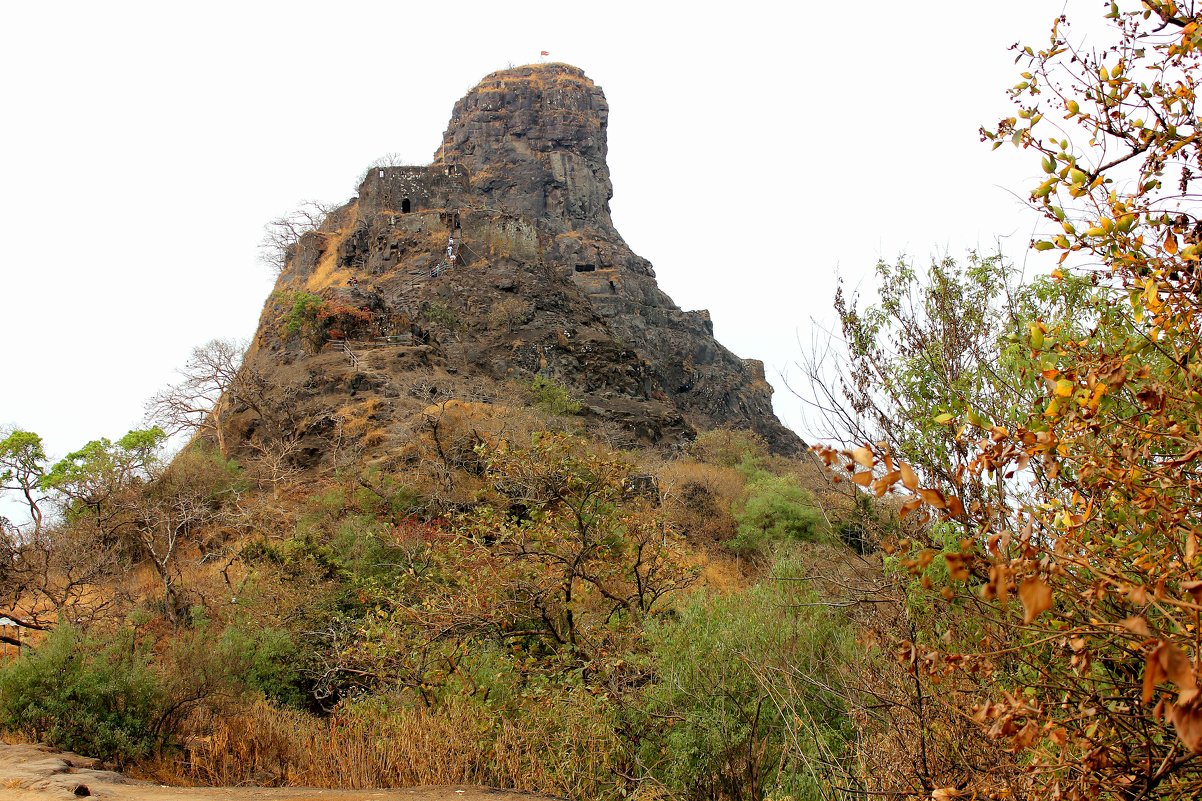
(495, 263)
(533, 141)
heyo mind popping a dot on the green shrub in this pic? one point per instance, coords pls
(441, 314)
(553, 397)
(302, 318)
(104, 696)
(777, 510)
(77, 693)
(273, 665)
(745, 700)
(385, 496)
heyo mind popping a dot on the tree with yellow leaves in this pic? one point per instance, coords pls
(1081, 601)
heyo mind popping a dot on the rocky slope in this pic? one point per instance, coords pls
(468, 277)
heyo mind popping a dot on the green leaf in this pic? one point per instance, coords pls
(977, 420)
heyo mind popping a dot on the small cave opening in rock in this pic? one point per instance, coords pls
(406, 206)
(585, 268)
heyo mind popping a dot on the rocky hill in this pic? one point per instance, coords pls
(489, 274)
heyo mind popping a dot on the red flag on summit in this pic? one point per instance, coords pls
(543, 53)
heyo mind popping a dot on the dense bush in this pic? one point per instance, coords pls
(300, 319)
(729, 447)
(777, 509)
(121, 698)
(699, 499)
(553, 397)
(744, 699)
(272, 664)
(84, 695)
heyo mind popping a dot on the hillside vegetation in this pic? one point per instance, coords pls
(988, 586)
(545, 614)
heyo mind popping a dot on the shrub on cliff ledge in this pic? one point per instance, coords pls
(553, 397)
(317, 320)
(301, 318)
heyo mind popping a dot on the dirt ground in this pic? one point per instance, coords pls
(38, 773)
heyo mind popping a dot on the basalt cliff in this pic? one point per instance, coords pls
(484, 278)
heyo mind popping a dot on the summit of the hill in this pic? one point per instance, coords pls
(533, 140)
(491, 276)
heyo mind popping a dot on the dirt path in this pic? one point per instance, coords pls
(38, 773)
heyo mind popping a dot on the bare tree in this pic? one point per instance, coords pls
(56, 575)
(275, 464)
(214, 382)
(282, 234)
(184, 497)
(392, 159)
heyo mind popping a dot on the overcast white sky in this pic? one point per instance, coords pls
(756, 151)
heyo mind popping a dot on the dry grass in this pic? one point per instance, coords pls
(698, 499)
(509, 312)
(403, 747)
(327, 273)
(722, 573)
(358, 418)
(541, 74)
(374, 437)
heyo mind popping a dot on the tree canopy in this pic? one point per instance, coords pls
(1080, 641)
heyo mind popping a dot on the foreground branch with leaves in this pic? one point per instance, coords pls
(1077, 627)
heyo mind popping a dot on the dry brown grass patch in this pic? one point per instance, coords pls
(327, 274)
(399, 748)
(374, 437)
(698, 498)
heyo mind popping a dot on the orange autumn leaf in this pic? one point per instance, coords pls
(1187, 720)
(1136, 624)
(956, 566)
(945, 793)
(885, 483)
(1166, 661)
(1036, 597)
(863, 457)
(932, 497)
(1179, 671)
(999, 584)
(1153, 675)
(1025, 737)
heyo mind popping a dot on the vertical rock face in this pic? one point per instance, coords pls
(533, 140)
(496, 263)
